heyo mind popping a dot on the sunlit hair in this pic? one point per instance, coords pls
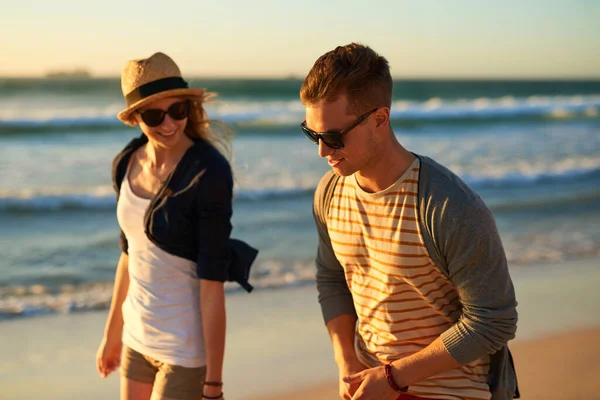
(355, 70)
(200, 126)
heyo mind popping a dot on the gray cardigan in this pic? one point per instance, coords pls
(462, 240)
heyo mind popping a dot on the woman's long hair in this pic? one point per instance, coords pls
(200, 126)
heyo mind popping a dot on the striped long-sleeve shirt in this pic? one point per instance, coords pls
(380, 246)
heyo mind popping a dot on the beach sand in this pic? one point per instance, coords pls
(278, 347)
(560, 366)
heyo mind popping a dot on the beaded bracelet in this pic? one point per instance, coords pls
(388, 374)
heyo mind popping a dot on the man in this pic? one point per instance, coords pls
(411, 273)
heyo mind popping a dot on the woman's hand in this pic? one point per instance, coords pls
(108, 356)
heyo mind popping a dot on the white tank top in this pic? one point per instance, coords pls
(161, 312)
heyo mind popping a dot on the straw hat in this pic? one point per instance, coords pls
(148, 79)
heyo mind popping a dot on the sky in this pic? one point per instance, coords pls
(268, 38)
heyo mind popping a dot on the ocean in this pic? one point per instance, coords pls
(531, 149)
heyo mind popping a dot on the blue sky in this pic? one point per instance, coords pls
(267, 38)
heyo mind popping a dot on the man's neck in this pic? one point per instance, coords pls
(386, 168)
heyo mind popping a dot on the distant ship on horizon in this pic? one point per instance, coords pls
(74, 73)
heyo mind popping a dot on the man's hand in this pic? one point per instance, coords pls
(347, 368)
(372, 385)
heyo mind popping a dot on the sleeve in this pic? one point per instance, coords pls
(470, 244)
(214, 211)
(334, 295)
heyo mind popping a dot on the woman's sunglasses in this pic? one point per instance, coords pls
(177, 111)
(333, 139)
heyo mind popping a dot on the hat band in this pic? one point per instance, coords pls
(154, 87)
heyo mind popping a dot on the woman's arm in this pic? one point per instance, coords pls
(214, 258)
(114, 323)
(108, 356)
(212, 306)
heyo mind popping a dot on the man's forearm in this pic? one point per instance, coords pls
(341, 331)
(430, 361)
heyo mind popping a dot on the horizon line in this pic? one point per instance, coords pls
(295, 77)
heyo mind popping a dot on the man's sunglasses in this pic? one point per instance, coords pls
(333, 139)
(177, 111)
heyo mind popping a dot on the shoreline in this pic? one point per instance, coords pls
(278, 346)
(536, 274)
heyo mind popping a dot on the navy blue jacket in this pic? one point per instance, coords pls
(190, 216)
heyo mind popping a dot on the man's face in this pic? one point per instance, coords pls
(359, 146)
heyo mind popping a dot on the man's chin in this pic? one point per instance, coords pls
(342, 171)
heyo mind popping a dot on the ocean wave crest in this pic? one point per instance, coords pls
(103, 198)
(284, 114)
(39, 299)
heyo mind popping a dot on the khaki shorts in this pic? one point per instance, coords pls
(168, 380)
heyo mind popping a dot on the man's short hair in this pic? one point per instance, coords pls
(355, 70)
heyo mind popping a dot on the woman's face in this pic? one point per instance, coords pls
(164, 121)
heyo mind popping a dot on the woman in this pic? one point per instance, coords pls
(166, 325)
